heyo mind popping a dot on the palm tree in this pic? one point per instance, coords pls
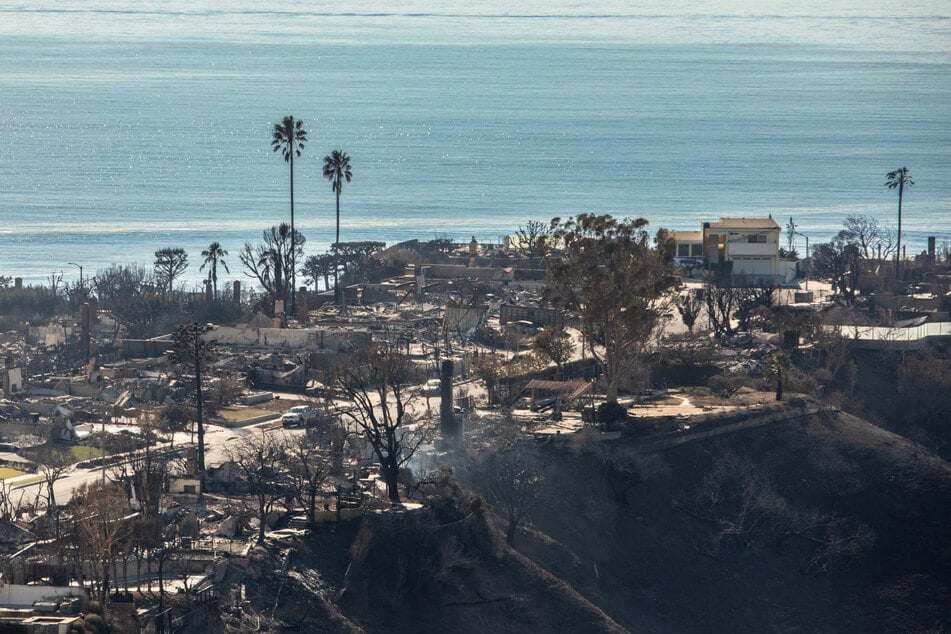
(336, 170)
(288, 138)
(899, 179)
(316, 267)
(214, 256)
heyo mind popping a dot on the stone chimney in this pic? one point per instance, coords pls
(92, 367)
(7, 366)
(236, 292)
(84, 321)
(278, 312)
(420, 272)
(18, 283)
(449, 427)
(302, 309)
(191, 461)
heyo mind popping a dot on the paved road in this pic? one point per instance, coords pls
(218, 441)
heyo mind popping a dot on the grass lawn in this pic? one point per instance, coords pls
(7, 472)
(239, 414)
(81, 452)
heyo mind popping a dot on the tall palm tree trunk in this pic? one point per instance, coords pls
(337, 255)
(901, 189)
(292, 278)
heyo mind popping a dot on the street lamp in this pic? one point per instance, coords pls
(80, 273)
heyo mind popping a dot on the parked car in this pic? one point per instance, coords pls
(433, 387)
(307, 413)
(292, 419)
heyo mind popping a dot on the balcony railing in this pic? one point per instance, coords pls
(755, 249)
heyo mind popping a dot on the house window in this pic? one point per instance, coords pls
(683, 250)
(760, 237)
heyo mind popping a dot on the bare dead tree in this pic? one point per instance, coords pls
(102, 528)
(381, 383)
(533, 240)
(738, 499)
(689, 307)
(259, 463)
(53, 461)
(308, 466)
(720, 300)
(513, 481)
(866, 232)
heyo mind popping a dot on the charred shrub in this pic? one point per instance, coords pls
(611, 412)
(411, 557)
(727, 384)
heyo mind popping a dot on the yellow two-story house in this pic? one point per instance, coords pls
(751, 244)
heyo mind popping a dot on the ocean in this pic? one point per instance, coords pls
(130, 126)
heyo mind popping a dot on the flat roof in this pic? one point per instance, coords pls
(743, 223)
(687, 236)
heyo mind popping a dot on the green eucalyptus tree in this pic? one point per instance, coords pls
(613, 284)
(170, 263)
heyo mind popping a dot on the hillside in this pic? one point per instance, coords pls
(820, 523)
(436, 569)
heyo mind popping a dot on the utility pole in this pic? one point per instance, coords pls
(102, 450)
(807, 254)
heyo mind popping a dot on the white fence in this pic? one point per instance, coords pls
(883, 337)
